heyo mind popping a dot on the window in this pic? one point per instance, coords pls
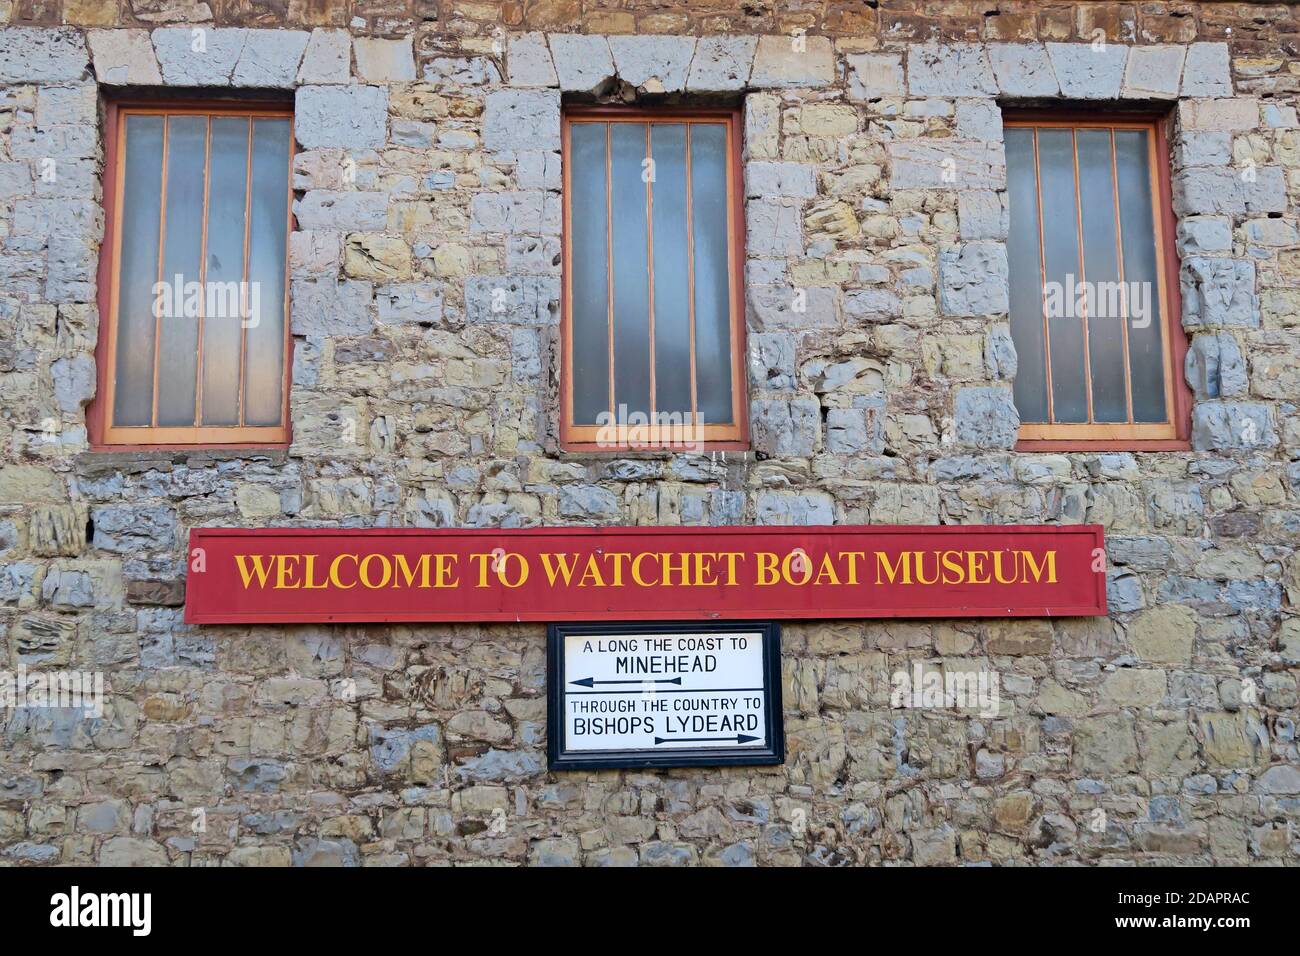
(1098, 343)
(653, 332)
(193, 280)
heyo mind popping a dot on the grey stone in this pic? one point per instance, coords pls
(1000, 354)
(354, 117)
(775, 508)
(513, 300)
(462, 71)
(67, 588)
(74, 381)
(1023, 69)
(329, 307)
(124, 58)
(1206, 70)
(588, 501)
(973, 279)
(982, 214)
(346, 211)
(876, 305)
(1208, 190)
(1266, 190)
(327, 58)
(771, 360)
(198, 56)
(772, 228)
(533, 255)
(583, 62)
(979, 119)
(1282, 779)
(774, 307)
(1214, 367)
(384, 61)
(67, 105)
(946, 164)
(270, 59)
(873, 76)
(409, 302)
(957, 69)
(1088, 72)
(502, 766)
(529, 61)
(514, 213)
(653, 64)
(1153, 72)
(123, 529)
(1218, 291)
(785, 428)
(986, 417)
(41, 55)
(538, 169)
(522, 120)
(782, 62)
(721, 64)
(1232, 426)
(796, 180)
(1203, 147)
(856, 431)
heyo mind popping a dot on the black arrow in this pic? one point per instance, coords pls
(739, 738)
(589, 681)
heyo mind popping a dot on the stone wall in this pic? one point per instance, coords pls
(428, 178)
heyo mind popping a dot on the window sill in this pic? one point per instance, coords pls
(649, 451)
(1106, 445)
(102, 458)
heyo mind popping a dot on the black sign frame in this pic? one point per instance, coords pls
(558, 758)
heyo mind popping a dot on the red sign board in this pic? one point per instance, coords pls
(579, 574)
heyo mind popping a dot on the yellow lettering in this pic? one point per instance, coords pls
(563, 567)
(892, 571)
(919, 559)
(404, 570)
(334, 572)
(827, 571)
(636, 568)
(975, 564)
(766, 573)
(668, 569)
(853, 563)
(592, 573)
(1049, 559)
(365, 572)
(260, 569)
(285, 566)
(997, 567)
(952, 562)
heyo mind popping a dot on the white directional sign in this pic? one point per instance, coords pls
(664, 695)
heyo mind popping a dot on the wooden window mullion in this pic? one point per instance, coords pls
(243, 289)
(203, 270)
(1123, 285)
(690, 274)
(162, 248)
(1042, 283)
(1083, 274)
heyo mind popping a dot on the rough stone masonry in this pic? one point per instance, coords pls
(1163, 733)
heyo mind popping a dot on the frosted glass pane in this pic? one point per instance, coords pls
(268, 228)
(589, 283)
(227, 188)
(138, 271)
(1026, 277)
(1101, 266)
(671, 271)
(1061, 254)
(1146, 335)
(712, 298)
(631, 273)
(178, 351)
